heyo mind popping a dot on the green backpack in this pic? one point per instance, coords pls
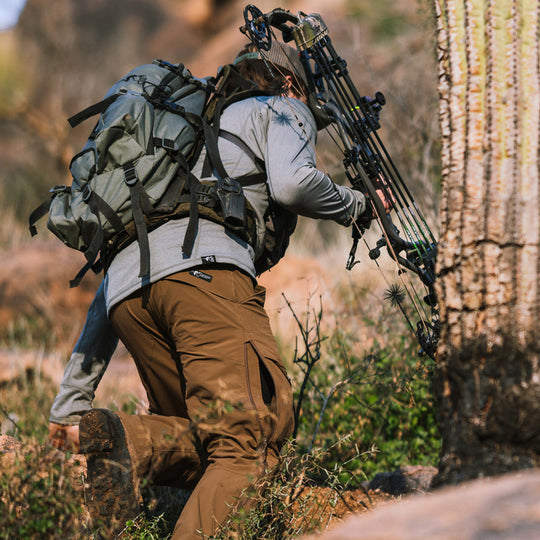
(134, 173)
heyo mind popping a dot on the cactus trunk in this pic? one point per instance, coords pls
(488, 377)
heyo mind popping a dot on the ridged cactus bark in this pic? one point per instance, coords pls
(488, 376)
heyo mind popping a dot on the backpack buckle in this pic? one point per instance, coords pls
(59, 189)
(86, 193)
(228, 185)
(169, 145)
(130, 175)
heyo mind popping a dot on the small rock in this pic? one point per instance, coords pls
(9, 425)
(412, 478)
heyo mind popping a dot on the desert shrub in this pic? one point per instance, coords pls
(27, 400)
(143, 528)
(40, 494)
(379, 397)
(40, 487)
(387, 406)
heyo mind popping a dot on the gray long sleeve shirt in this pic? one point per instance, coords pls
(280, 131)
(88, 362)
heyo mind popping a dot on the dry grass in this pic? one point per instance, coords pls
(41, 492)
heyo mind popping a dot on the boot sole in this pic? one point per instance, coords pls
(114, 494)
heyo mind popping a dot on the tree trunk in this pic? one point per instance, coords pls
(488, 375)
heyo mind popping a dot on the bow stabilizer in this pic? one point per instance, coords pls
(354, 121)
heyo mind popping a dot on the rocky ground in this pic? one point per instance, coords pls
(315, 505)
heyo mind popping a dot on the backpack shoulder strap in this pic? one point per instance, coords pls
(235, 139)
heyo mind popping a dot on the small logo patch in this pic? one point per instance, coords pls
(200, 275)
(209, 259)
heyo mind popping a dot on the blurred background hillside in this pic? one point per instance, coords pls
(62, 55)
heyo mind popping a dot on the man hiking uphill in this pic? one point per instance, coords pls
(220, 402)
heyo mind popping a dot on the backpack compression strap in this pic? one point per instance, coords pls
(140, 202)
(96, 108)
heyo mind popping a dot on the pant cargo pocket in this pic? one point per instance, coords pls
(270, 394)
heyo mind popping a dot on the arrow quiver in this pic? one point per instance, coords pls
(354, 121)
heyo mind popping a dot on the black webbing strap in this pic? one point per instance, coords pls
(158, 89)
(140, 205)
(235, 139)
(212, 151)
(171, 196)
(251, 179)
(248, 179)
(96, 108)
(44, 208)
(37, 214)
(170, 146)
(92, 251)
(228, 190)
(97, 204)
(206, 171)
(166, 144)
(96, 267)
(191, 231)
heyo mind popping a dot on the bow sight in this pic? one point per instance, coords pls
(354, 119)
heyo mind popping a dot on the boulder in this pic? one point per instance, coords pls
(501, 508)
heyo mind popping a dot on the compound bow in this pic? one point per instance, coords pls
(338, 106)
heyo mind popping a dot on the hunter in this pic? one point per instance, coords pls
(220, 401)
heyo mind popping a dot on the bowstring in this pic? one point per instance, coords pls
(399, 190)
(409, 285)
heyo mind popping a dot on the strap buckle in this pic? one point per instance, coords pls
(169, 145)
(130, 175)
(59, 189)
(86, 193)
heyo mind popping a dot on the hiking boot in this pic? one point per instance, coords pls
(114, 491)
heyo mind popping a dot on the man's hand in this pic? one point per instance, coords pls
(64, 437)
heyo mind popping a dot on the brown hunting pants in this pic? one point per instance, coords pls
(219, 397)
